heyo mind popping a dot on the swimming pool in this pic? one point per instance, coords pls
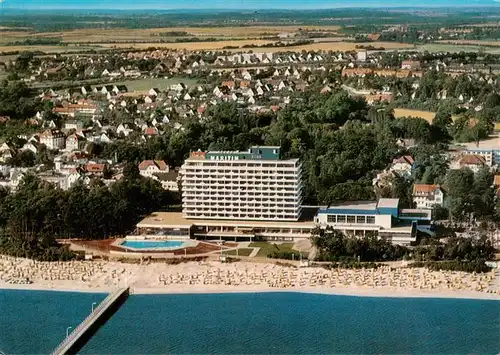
(152, 244)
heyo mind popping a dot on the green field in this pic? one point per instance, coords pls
(160, 83)
(241, 252)
(267, 248)
(455, 48)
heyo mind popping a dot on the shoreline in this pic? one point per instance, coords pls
(334, 291)
(244, 277)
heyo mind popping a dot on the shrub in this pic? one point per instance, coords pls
(454, 265)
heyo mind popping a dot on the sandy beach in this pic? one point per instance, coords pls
(216, 277)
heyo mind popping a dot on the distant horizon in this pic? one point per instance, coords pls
(236, 5)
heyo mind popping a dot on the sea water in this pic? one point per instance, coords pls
(35, 322)
(270, 323)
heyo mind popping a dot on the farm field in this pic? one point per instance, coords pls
(405, 112)
(469, 41)
(160, 83)
(189, 45)
(340, 46)
(48, 48)
(454, 48)
(97, 35)
(426, 115)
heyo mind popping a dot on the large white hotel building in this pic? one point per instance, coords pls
(256, 194)
(251, 185)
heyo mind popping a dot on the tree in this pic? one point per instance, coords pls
(131, 172)
(459, 185)
(484, 194)
(24, 159)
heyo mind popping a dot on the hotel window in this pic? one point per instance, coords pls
(370, 219)
(340, 219)
(360, 219)
(351, 219)
(331, 218)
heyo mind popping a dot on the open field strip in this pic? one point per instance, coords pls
(455, 48)
(125, 34)
(406, 112)
(335, 46)
(50, 48)
(189, 45)
(160, 83)
(470, 41)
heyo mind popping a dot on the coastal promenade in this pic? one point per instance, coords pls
(78, 337)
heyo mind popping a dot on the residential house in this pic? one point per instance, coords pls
(373, 98)
(5, 152)
(73, 124)
(169, 181)
(86, 89)
(31, 146)
(148, 168)
(411, 65)
(402, 166)
(96, 169)
(178, 87)
(53, 139)
(72, 142)
(150, 131)
(472, 161)
(427, 196)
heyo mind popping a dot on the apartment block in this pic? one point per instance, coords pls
(242, 185)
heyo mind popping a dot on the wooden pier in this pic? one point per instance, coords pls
(81, 334)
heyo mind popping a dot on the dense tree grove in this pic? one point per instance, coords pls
(455, 253)
(38, 213)
(335, 246)
(470, 195)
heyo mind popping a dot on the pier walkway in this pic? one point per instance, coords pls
(81, 334)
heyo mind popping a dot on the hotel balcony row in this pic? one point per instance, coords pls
(238, 184)
(239, 195)
(263, 173)
(240, 165)
(243, 216)
(243, 190)
(243, 208)
(205, 197)
(192, 179)
(244, 202)
(243, 169)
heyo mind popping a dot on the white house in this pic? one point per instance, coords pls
(72, 142)
(427, 196)
(53, 139)
(148, 168)
(402, 165)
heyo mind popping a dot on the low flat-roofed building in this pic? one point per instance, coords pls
(383, 218)
(171, 223)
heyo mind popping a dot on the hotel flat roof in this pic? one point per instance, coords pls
(176, 220)
(388, 203)
(354, 205)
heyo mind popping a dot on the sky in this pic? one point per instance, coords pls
(232, 4)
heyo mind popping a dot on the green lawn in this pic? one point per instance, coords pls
(267, 248)
(160, 83)
(241, 252)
